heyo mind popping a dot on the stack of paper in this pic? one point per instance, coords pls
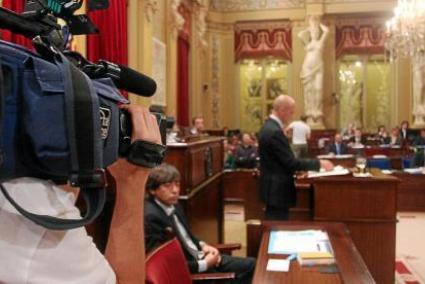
(311, 246)
(315, 258)
(337, 171)
(414, 170)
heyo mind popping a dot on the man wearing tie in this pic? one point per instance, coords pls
(337, 148)
(164, 216)
(278, 163)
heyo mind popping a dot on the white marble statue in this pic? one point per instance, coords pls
(419, 90)
(314, 38)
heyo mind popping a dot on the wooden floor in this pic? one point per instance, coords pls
(410, 249)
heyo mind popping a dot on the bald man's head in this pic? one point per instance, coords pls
(284, 107)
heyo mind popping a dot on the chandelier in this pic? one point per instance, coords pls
(405, 34)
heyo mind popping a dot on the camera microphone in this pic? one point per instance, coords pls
(124, 77)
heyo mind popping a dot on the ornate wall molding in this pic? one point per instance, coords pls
(223, 27)
(359, 36)
(151, 7)
(250, 5)
(215, 81)
(200, 13)
(176, 19)
(186, 12)
(259, 39)
(351, 1)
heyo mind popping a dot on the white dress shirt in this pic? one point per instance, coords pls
(275, 118)
(169, 210)
(30, 253)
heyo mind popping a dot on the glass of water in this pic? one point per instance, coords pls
(361, 164)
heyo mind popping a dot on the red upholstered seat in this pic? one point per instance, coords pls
(167, 265)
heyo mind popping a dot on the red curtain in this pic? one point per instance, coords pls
(17, 6)
(111, 43)
(182, 82)
(262, 39)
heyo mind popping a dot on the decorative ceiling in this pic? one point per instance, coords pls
(250, 5)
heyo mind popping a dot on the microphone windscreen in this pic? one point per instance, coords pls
(135, 82)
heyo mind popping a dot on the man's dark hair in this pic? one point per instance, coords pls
(303, 118)
(162, 174)
(195, 118)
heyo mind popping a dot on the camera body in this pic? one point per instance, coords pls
(126, 127)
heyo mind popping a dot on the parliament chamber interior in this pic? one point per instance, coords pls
(294, 134)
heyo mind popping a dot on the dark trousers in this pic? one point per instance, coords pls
(273, 213)
(243, 267)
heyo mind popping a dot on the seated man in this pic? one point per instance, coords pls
(338, 147)
(419, 159)
(420, 140)
(163, 216)
(357, 140)
(394, 139)
(197, 126)
(246, 154)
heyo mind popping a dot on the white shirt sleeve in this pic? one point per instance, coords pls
(202, 266)
(33, 254)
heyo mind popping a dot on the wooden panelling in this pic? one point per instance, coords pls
(204, 211)
(197, 165)
(303, 209)
(242, 185)
(217, 157)
(411, 192)
(368, 207)
(200, 164)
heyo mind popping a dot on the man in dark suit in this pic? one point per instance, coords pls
(163, 216)
(419, 159)
(406, 134)
(338, 147)
(420, 140)
(277, 162)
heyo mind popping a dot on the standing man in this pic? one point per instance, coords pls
(300, 134)
(277, 162)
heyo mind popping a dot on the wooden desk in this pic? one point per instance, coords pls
(351, 267)
(242, 185)
(200, 164)
(410, 192)
(368, 207)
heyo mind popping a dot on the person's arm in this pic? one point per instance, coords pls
(279, 145)
(325, 33)
(303, 35)
(125, 250)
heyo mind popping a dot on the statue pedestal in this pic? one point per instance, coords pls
(418, 120)
(315, 123)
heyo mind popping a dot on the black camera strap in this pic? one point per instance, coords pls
(83, 124)
(2, 103)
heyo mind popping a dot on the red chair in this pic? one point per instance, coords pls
(167, 265)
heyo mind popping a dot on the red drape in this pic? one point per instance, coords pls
(182, 82)
(17, 6)
(111, 43)
(359, 37)
(262, 39)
